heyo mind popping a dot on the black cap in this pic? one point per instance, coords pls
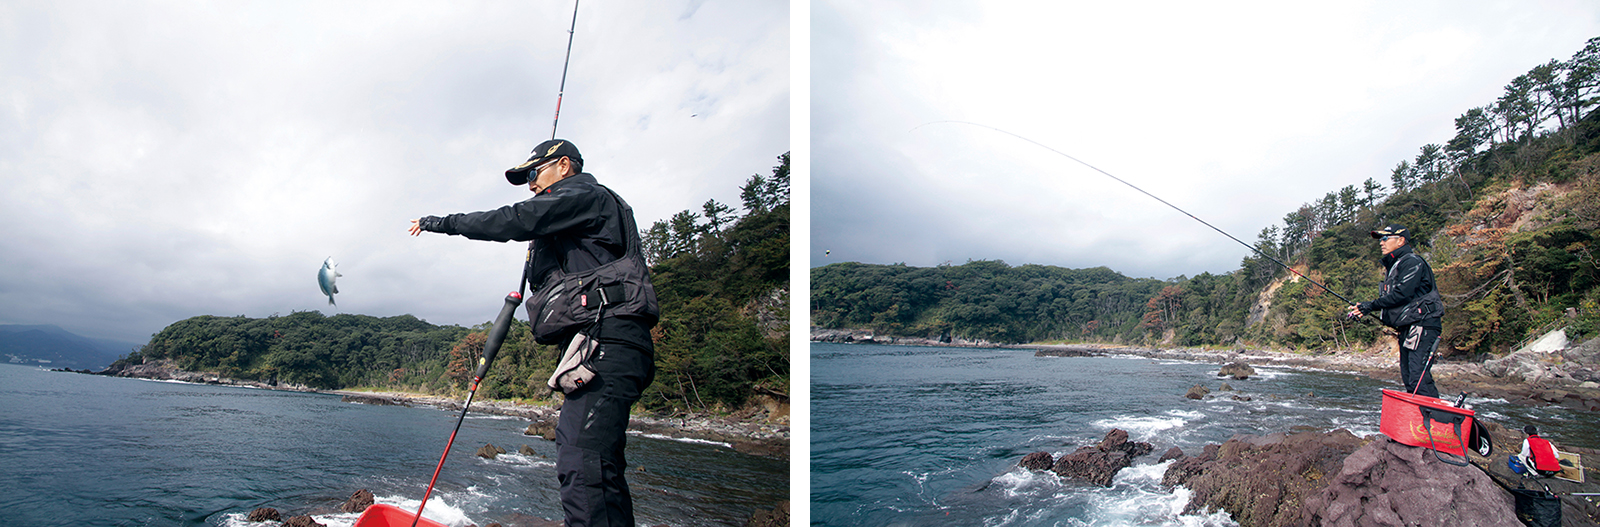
(1393, 229)
(552, 149)
(1530, 430)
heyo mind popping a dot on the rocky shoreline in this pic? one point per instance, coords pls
(1566, 376)
(762, 433)
(762, 429)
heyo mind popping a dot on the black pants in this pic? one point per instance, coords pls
(1416, 343)
(592, 431)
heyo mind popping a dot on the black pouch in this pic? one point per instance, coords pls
(1428, 306)
(570, 301)
(1538, 508)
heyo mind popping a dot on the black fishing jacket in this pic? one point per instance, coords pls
(574, 225)
(1409, 295)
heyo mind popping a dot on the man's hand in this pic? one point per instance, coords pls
(1355, 311)
(416, 227)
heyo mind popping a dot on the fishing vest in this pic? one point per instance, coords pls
(569, 301)
(1544, 456)
(1425, 306)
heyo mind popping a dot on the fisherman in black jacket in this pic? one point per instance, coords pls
(1409, 302)
(575, 225)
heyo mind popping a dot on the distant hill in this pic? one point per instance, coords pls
(54, 347)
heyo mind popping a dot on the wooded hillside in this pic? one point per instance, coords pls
(1506, 212)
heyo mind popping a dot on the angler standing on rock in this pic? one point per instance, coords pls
(1409, 302)
(591, 285)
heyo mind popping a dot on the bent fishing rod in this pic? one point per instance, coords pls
(563, 90)
(1152, 196)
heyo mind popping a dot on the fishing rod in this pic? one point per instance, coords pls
(563, 90)
(491, 347)
(1153, 196)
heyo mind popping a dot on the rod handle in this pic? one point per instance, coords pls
(497, 336)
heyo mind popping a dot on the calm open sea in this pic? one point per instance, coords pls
(88, 450)
(905, 435)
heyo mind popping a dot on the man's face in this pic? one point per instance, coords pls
(1389, 243)
(547, 174)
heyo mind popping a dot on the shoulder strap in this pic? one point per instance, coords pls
(630, 234)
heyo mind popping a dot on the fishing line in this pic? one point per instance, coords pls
(1152, 196)
(563, 90)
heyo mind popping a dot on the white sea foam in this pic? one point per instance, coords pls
(683, 439)
(1265, 373)
(1019, 482)
(1142, 475)
(1137, 498)
(1149, 427)
(525, 460)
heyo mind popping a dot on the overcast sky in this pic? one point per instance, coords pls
(1237, 112)
(162, 160)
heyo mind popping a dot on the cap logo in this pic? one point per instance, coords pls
(552, 149)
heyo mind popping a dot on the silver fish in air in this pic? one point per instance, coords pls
(326, 278)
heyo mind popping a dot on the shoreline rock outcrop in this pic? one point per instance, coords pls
(358, 502)
(1333, 478)
(1263, 480)
(1388, 483)
(1239, 370)
(1096, 464)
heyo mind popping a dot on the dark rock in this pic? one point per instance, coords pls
(1238, 370)
(1099, 464)
(1069, 351)
(1197, 392)
(1262, 481)
(1172, 453)
(777, 517)
(526, 451)
(1387, 483)
(374, 400)
(302, 521)
(489, 451)
(545, 429)
(358, 502)
(264, 514)
(1037, 461)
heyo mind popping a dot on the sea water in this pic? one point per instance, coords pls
(88, 450)
(908, 435)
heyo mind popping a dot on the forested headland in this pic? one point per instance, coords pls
(721, 279)
(1506, 212)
